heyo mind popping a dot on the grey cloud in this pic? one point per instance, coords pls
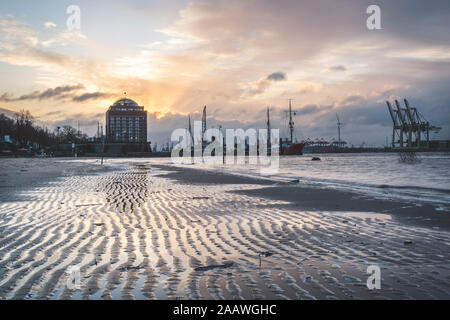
(161, 128)
(91, 96)
(277, 76)
(337, 68)
(53, 113)
(352, 100)
(312, 109)
(61, 92)
(88, 122)
(58, 93)
(262, 84)
(7, 112)
(311, 121)
(308, 109)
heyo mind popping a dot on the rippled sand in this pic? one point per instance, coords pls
(138, 235)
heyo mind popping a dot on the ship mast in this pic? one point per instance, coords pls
(203, 125)
(268, 128)
(204, 121)
(190, 128)
(339, 129)
(291, 122)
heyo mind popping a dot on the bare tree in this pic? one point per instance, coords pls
(24, 127)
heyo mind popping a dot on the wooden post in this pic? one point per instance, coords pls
(103, 146)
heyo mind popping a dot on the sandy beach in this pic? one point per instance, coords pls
(138, 230)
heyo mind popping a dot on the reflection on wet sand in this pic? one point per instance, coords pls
(138, 235)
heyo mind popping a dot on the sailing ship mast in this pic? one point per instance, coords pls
(203, 125)
(291, 122)
(190, 128)
(339, 129)
(268, 128)
(204, 121)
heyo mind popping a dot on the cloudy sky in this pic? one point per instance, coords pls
(235, 56)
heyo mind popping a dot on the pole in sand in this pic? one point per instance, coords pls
(103, 145)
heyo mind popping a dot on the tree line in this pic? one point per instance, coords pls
(24, 131)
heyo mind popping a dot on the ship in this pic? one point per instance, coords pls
(288, 146)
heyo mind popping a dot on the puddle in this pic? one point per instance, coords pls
(362, 215)
(116, 294)
(159, 291)
(98, 294)
(136, 292)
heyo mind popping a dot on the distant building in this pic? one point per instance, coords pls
(126, 122)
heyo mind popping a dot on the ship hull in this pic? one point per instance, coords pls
(292, 149)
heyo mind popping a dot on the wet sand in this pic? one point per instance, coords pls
(20, 173)
(153, 232)
(306, 198)
(301, 198)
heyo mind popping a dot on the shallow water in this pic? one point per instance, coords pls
(377, 174)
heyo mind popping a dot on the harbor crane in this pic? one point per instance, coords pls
(410, 129)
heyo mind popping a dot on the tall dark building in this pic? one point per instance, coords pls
(126, 122)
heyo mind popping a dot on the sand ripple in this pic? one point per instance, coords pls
(135, 235)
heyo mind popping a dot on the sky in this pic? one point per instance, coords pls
(237, 57)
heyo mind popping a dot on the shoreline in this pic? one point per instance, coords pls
(160, 154)
(319, 199)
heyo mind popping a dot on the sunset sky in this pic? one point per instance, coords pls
(236, 57)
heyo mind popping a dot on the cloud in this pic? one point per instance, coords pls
(310, 87)
(22, 45)
(58, 91)
(352, 100)
(7, 112)
(49, 24)
(337, 68)
(65, 38)
(262, 84)
(91, 96)
(224, 54)
(276, 76)
(311, 109)
(85, 120)
(61, 92)
(308, 109)
(52, 93)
